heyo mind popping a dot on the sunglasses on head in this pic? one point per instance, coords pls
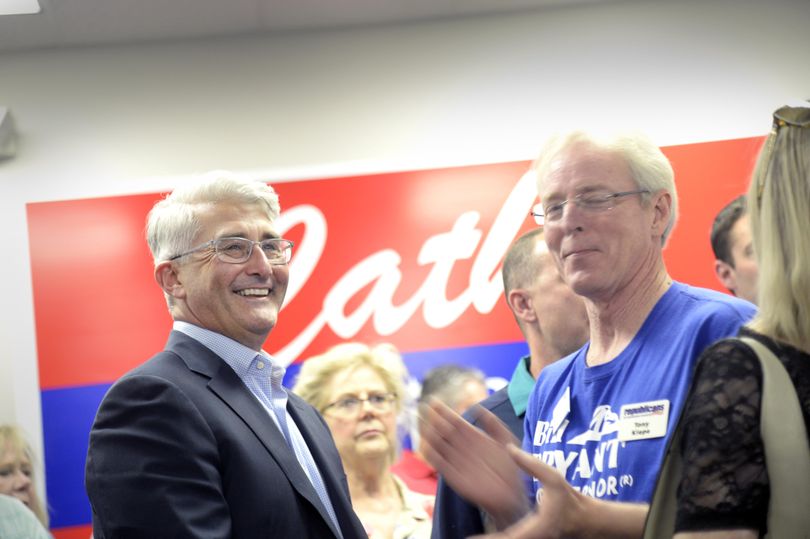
(797, 115)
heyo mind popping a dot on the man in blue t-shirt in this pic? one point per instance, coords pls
(554, 323)
(605, 426)
(599, 420)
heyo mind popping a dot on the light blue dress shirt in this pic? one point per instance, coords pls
(263, 376)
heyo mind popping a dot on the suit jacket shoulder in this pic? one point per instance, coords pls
(182, 439)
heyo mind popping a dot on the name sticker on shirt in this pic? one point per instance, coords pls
(643, 420)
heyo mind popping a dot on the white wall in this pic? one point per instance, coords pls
(106, 121)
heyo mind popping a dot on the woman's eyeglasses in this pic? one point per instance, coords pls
(350, 406)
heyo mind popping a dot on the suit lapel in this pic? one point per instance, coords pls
(226, 385)
(328, 462)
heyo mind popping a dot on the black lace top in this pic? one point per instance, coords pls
(725, 482)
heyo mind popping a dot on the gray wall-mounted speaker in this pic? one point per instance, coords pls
(8, 136)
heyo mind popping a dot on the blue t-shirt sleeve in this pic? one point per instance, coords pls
(724, 323)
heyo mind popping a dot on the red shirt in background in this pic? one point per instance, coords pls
(417, 474)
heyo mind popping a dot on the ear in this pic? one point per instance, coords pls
(663, 209)
(168, 279)
(726, 275)
(521, 305)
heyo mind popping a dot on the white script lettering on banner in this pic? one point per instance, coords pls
(381, 271)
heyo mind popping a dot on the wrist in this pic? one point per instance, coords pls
(506, 516)
(594, 518)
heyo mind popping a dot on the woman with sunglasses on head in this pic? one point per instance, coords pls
(360, 394)
(725, 488)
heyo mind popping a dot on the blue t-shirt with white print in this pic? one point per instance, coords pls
(606, 427)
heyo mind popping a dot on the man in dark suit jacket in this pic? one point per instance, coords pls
(202, 440)
(554, 323)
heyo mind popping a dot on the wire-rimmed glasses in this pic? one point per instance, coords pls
(237, 250)
(351, 405)
(594, 201)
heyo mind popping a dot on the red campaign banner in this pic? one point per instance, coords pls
(412, 258)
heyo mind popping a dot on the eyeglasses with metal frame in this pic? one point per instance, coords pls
(593, 201)
(350, 406)
(277, 251)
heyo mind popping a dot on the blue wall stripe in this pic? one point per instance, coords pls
(493, 359)
(67, 415)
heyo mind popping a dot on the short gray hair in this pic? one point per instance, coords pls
(649, 167)
(173, 222)
(446, 382)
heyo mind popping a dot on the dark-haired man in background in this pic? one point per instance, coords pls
(735, 264)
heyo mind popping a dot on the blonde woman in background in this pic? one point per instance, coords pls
(360, 396)
(17, 473)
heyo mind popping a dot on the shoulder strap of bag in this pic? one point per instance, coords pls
(661, 516)
(787, 457)
(787, 454)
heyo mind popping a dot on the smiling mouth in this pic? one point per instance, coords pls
(254, 292)
(578, 252)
